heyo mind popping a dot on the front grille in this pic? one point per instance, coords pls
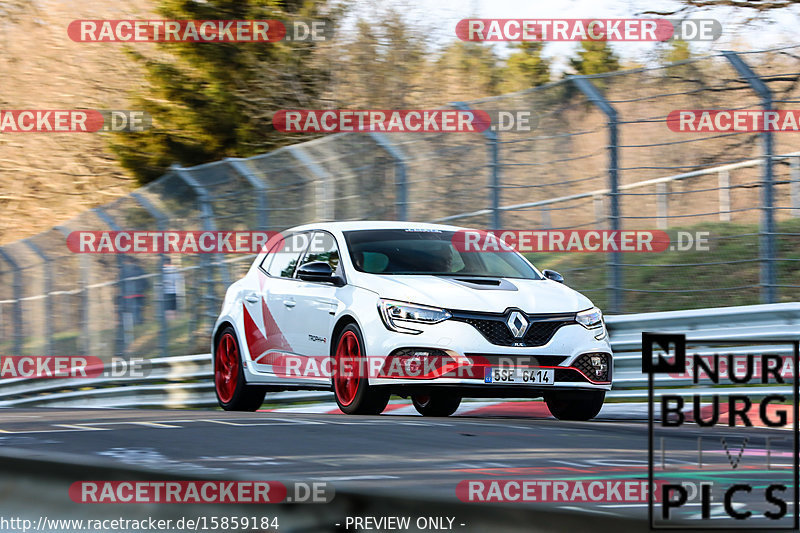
(493, 327)
(584, 364)
(492, 359)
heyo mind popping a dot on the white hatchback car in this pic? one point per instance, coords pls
(370, 309)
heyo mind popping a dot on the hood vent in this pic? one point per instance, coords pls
(480, 281)
(491, 284)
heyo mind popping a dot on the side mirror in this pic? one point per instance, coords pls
(553, 275)
(318, 271)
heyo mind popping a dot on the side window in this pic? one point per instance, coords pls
(322, 248)
(285, 258)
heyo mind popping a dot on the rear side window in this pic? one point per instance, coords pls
(285, 258)
(268, 258)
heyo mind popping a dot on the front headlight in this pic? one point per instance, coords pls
(590, 319)
(396, 315)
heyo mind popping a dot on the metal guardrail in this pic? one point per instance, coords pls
(171, 382)
(187, 381)
(754, 323)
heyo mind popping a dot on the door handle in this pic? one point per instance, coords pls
(252, 299)
(289, 303)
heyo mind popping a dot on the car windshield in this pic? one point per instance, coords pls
(429, 252)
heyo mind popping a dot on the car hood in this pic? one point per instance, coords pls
(530, 296)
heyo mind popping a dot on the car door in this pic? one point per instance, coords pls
(317, 301)
(276, 317)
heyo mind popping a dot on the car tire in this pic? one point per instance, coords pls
(575, 405)
(351, 387)
(436, 403)
(233, 392)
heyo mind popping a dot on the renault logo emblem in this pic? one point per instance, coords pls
(517, 324)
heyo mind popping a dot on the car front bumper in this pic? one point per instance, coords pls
(471, 353)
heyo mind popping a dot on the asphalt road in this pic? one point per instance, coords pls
(426, 457)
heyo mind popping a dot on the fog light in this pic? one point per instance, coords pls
(414, 364)
(599, 365)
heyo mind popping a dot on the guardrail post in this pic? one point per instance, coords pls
(767, 229)
(794, 188)
(493, 141)
(207, 220)
(400, 183)
(262, 201)
(161, 223)
(124, 316)
(724, 184)
(325, 211)
(662, 205)
(48, 297)
(19, 334)
(615, 259)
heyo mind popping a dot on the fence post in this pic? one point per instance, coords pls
(599, 211)
(794, 190)
(19, 334)
(262, 201)
(161, 224)
(124, 315)
(662, 205)
(547, 223)
(400, 183)
(207, 219)
(767, 229)
(325, 211)
(493, 141)
(615, 268)
(48, 297)
(83, 260)
(724, 184)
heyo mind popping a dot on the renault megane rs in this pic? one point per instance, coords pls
(371, 309)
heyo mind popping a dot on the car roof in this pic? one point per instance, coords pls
(372, 224)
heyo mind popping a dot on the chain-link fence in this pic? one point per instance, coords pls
(601, 156)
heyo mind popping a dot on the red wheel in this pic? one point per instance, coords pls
(351, 387)
(226, 370)
(233, 392)
(348, 355)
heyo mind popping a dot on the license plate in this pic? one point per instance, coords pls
(519, 376)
